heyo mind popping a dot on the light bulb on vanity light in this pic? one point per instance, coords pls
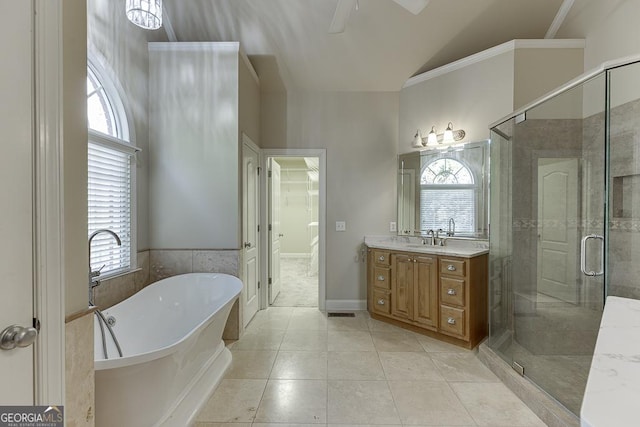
(417, 140)
(432, 138)
(447, 138)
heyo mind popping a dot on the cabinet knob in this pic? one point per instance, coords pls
(415, 260)
(451, 292)
(451, 321)
(381, 302)
(381, 278)
(381, 258)
(450, 267)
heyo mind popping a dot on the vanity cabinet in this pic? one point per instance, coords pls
(439, 295)
(414, 284)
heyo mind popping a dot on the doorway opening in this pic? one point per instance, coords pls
(295, 218)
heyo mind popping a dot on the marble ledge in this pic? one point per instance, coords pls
(613, 387)
(464, 248)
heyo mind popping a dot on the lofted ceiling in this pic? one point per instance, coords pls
(383, 44)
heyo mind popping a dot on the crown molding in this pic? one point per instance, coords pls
(493, 52)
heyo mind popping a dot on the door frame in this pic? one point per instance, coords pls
(49, 257)
(321, 154)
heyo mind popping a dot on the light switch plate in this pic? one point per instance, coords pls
(341, 226)
(393, 226)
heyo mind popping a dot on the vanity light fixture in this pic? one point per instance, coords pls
(449, 138)
(145, 14)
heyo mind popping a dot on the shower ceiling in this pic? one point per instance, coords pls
(382, 47)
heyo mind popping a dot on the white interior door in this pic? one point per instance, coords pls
(16, 193)
(250, 233)
(558, 228)
(275, 230)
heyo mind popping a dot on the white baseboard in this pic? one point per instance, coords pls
(345, 304)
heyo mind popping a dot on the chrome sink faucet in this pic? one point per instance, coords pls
(439, 240)
(428, 240)
(451, 230)
(94, 274)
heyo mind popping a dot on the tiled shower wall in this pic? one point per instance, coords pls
(535, 139)
(624, 221)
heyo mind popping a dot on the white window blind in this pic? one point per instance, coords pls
(448, 190)
(437, 205)
(109, 199)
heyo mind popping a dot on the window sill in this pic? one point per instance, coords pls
(118, 274)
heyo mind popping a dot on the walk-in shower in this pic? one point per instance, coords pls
(564, 226)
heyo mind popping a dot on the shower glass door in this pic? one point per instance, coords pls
(623, 254)
(548, 216)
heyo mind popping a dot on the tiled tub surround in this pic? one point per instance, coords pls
(296, 365)
(169, 262)
(117, 289)
(79, 376)
(154, 265)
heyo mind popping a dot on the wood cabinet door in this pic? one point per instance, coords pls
(425, 291)
(402, 286)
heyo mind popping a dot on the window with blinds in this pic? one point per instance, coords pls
(111, 178)
(448, 190)
(109, 200)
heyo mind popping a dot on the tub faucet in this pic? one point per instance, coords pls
(451, 230)
(94, 274)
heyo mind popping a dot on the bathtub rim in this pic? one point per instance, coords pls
(105, 364)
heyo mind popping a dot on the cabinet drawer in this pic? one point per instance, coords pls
(453, 267)
(452, 291)
(382, 257)
(381, 302)
(381, 277)
(452, 321)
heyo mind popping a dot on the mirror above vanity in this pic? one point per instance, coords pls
(444, 190)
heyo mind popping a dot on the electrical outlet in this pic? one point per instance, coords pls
(393, 226)
(341, 226)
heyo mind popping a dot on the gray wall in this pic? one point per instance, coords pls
(194, 175)
(359, 131)
(120, 48)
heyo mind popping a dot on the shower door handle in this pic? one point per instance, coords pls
(583, 255)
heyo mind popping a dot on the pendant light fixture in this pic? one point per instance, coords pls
(145, 14)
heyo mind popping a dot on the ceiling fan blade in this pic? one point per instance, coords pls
(341, 16)
(413, 6)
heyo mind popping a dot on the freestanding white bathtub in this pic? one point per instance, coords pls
(173, 354)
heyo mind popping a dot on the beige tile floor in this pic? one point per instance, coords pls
(295, 367)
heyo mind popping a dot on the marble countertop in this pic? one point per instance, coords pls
(453, 247)
(612, 395)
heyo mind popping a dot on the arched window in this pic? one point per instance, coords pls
(448, 190)
(111, 177)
